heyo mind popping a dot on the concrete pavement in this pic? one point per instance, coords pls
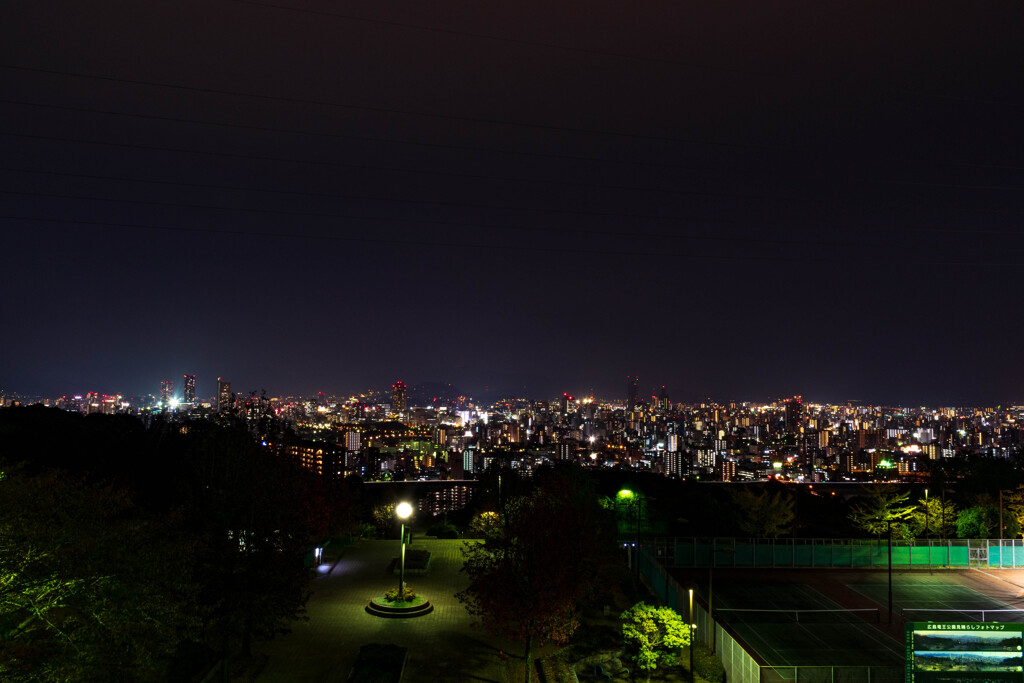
(443, 646)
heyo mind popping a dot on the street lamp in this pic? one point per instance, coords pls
(403, 511)
(690, 626)
(626, 494)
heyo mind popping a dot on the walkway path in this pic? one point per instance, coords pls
(443, 646)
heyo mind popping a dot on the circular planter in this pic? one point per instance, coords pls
(378, 607)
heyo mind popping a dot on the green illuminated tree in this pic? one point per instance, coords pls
(930, 520)
(978, 521)
(883, 507)
(655, 635)
(1014, 503)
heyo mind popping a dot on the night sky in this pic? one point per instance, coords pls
(739, 201)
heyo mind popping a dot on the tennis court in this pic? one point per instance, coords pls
(931, 601)
(792, 624)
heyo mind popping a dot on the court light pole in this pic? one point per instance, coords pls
(711, 591)
(926, 531)
(926, 513)
(888, 524)
(403, 511)
(942, 516)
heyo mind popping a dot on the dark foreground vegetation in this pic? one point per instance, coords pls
(135, 554)
(150, 553)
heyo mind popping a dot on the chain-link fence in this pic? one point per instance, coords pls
(740, 665)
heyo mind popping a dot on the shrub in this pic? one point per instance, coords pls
(443, 530)
(555, 669)
(408, 595)
(707, 665)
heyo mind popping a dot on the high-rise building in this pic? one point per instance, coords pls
(166, 393)
(632, 391)
(674, 463)
(223, 395)
(794, 413)
(398, 397)
(190, 389)
(352, 440)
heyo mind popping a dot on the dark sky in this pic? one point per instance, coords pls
(736, 200)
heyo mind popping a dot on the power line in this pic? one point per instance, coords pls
(359, 138)
(372, 198)
(462, 245)
(492, 150)
(589, 232)
(501, 39)
(471, 176)
(386, 110)
(391, 169)
(400, 200)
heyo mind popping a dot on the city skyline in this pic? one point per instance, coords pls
(633, 391)
(524, 200)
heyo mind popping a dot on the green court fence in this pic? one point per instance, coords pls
(832, 674)
(839, 552)
(1008, 553)
(740, 665)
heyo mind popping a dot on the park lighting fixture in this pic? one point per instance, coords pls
(403, 510)
(691, 625)
(628, 495)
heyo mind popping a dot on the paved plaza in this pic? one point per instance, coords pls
(443, 646)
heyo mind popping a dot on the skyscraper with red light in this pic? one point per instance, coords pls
(398, 397)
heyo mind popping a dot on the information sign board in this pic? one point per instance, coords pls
(948, 652)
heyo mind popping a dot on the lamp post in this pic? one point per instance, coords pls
(626, 494)
(942, 517)
(690, 626)
(926, 531)
(403, 510)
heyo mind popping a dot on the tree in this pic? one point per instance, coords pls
(655, 634)
(764, 515)
(244, 507)
(90, 590)
(927, 519)
(977, 521)
(1014, 503)
(885, 508)
(383, 518)
(527, 581)
(486, 524)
